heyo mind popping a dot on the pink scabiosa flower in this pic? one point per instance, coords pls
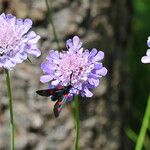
(78, 67)
(146, 59)
(15, 41)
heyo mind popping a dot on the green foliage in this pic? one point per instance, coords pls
(144, 127)
(139, 73)
(131, 134)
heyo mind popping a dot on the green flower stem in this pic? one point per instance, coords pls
(50, 17)
(145, 123)
(8, 80)
(77, 122)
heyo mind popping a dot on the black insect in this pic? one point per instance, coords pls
(60, 94)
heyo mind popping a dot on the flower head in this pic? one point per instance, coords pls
(80, 68)
(15, 40)
(146, 59)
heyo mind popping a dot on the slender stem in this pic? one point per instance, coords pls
(144, 127)
(8, 80)
(77, 122)
(50, 16)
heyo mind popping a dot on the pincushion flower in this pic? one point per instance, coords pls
(15, 40)
(146, 59)
(78, 67)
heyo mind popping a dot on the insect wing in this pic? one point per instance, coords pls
(59, 105)
(48, 92)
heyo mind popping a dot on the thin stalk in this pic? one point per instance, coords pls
(9, 89)
(77, 122)
(145, 123)
(50, 16)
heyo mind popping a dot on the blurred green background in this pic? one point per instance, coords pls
(139, 73)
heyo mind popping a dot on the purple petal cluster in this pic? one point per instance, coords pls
(15, 40)
(146, 59)
(80, 67)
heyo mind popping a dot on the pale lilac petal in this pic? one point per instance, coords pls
(31, 35)
(98, 65)
(55, 82)
(32, 49)
(93, 53)
(19, 22)
(34, 40)
(2, 17)
(145, 59)
(8, 65)
(34, 52)
(148, 52)
(88, 93)
(74, 91)
(46, 78)
(47, 68)
(148, 41)
(53, 55)
(11, 19)
(76, 42)
(28, 22)
(93, 81)
(99, 56)
(19, 58)
(102, 71)
(94, 75)
(85, 54)
(69, 43)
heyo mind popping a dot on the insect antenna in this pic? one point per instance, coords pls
(71, 77)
